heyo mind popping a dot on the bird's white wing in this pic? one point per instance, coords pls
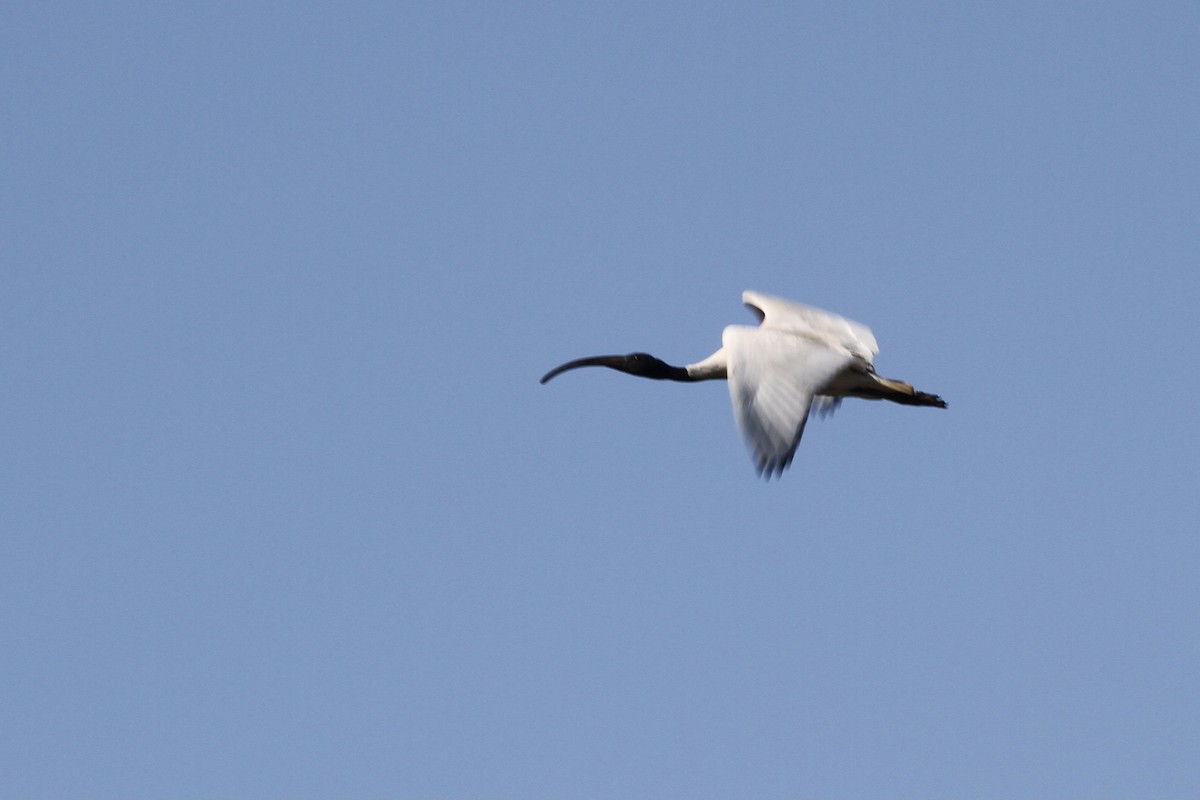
(784, 315)
(773, 376)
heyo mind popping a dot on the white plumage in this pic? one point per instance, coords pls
(798, 356)
(776, 371)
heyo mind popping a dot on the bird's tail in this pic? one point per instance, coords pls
(904, 393)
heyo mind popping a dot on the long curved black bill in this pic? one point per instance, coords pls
(592, 361)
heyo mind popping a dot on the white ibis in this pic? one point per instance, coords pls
(798, 356)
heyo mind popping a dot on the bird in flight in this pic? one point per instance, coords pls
(798, 357)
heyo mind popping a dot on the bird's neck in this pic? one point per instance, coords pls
(681, 374)
(713, 368)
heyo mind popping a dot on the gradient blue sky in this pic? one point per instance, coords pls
(286, 513)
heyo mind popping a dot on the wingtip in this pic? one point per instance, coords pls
(767, 468)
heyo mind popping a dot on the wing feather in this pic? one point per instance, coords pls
(773, 376)
(784, 315)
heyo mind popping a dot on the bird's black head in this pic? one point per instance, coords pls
(643, 365)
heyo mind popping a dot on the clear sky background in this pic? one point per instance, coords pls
(286, 512)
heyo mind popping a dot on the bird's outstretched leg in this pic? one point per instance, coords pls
(904, 393)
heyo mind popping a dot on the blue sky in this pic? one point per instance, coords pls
(286, 512)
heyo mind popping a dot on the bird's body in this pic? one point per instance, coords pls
(797, 357)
